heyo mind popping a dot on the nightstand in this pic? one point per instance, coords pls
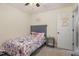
(50, 41)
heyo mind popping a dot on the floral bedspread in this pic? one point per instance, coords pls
(22, 46)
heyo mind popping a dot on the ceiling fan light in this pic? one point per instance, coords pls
(37, 4)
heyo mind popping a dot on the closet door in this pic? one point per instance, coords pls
(65, 30)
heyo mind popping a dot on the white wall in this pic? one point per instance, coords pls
(50, 18)
(13, 22)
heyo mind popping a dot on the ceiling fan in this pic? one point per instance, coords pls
(37, 4)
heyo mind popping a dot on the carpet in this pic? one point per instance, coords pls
(49, 51)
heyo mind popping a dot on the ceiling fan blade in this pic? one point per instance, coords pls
(27, 4)
(37, 4)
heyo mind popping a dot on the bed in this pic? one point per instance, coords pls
(26, 45)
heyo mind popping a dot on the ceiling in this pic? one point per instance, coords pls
(31, 8)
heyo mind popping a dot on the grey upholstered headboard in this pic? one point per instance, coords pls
(39, 28)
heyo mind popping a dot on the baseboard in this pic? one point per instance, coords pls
(64, 49)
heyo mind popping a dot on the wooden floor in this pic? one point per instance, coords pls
(49, 51)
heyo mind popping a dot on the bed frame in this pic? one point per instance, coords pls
(39, 29)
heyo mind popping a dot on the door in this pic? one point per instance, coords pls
(65, 30)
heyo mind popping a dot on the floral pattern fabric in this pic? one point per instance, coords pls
(23, 46)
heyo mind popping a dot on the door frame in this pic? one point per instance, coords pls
(75, 18)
